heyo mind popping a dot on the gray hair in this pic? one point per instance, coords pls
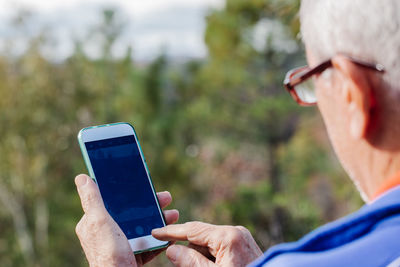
(365, 29)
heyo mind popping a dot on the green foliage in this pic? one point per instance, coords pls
(221, 134)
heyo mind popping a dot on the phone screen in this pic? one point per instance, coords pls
(124, 185)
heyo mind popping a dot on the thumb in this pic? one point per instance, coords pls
(182, 256)
(89, 194)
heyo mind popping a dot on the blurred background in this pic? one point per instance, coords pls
(200, 80)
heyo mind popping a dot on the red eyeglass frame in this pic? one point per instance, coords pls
(290, 81)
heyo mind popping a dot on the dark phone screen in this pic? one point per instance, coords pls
(124, 186)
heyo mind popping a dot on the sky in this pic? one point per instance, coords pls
(173, 26)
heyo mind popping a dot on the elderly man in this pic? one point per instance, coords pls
(348, 43)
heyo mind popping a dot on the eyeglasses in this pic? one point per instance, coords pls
(301, 87)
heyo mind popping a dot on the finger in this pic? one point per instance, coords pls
(164, 198)
(178, 232)
(197, 233)
(89, 194)
(79, 228)
(171, 216)
(203, 250)
(182, 256)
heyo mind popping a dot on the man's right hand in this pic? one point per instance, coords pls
(101, 238)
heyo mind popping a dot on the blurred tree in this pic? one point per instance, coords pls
(220, 133)
(251, 45)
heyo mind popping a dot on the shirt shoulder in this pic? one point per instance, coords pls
(369, 237)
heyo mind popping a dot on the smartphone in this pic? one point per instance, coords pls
(115, 161)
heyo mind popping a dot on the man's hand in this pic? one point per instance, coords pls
(210, 245)
(102, 240)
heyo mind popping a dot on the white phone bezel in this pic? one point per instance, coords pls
(140, 244)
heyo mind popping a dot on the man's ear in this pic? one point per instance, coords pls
(356, 89)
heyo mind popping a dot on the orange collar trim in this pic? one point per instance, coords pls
(388, 184)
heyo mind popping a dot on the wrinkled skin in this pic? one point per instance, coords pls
(210, 245)
(101, 238)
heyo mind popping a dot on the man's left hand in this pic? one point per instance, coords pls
(210, 245)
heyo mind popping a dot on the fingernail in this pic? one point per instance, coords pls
(81, 180)
(156, 231)
(173, 253)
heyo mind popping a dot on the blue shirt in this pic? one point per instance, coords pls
(368, 237)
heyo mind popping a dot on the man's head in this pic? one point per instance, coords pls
(360, 107)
